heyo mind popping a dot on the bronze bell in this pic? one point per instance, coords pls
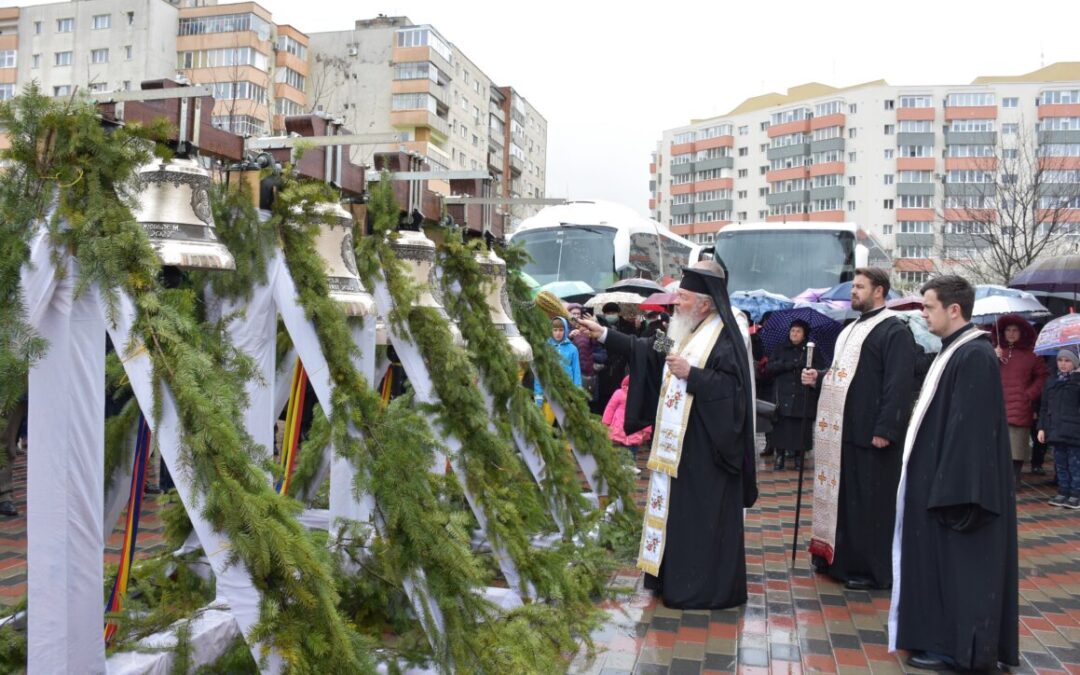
(335, 247)
(418, 252)
(494, 269)
(174, 209)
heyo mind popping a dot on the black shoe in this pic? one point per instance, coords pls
(859, 584)
(798, 462)
(7, 508)
(926, 662)
(779, 465)
(1038, 471)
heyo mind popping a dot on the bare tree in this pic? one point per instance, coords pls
(1019, 203)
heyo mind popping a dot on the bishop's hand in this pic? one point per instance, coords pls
(678, 366)
(591, 327)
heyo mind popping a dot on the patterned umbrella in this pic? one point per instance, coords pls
(1057, 274)
(757, 303)
(1063, 331)
(823, 330)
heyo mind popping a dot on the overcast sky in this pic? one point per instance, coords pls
(610, 76)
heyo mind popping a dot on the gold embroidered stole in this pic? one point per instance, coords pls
(672, 415)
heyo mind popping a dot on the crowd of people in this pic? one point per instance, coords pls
(916, 456)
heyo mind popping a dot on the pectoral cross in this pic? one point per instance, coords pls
(663, 343)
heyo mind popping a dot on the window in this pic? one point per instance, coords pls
(851, 157)
(968, 202)
(743, 152)
(763, 169)
(915, 252)
(1010, 128)
(37, 28)
(826, 133)
(828, 108)
(890, 104)
(291, 46)
(1058, 97)
(916, 177)
(65, 25)
(242, 125)
(102, 21)
(708, 174)
(852, 132)
(916, 102)
(7, 58)
(793, 115)
(851, 206)
(971, 125)
(685, 137)
(969, 151)
(916, 227)
(829, 180)
(886, 228)
(127, 52)
(716, 131)
(62, 58)
(62, 90)
(826, 157)
(915, 126)
(99, 56)
(742, 173)
(742, 194)
(887, 204)
(890, 129)
(1010, 102)
(764, 126)
(1060, 124)
(916, 151)
(889, 178)
(225, 23)
(98, 87)
(7, 92)
(969, 176)
(229, 56)
(414, 102)
(789, 139)
(740, 216)
(242, 90)
(852, 109)
(889, 152)
(682, 219)
(131, 18)
(744, 130)
(916, 202)
(1059, 150)
(1009, 153)
(126, 85)
(290, 77)
(287, 108)
(1061, 176)
(421, 36)
(35, 61)
(969, 99)
(964, 227)
(682, 179)
(851, 181)
(763, 147)
(464, 131)
(914, 277)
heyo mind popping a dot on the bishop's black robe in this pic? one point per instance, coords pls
(704, 564)
(879, 401)
(958, 563)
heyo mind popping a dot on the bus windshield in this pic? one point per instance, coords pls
(571, 253)
(787, 261)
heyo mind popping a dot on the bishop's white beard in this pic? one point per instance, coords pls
(681, 325)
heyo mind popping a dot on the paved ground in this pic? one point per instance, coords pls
(795, 621)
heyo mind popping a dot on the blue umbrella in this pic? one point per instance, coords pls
(757, 303)
(823, 330)
(930, 343)
(572, 291)
(842, 293)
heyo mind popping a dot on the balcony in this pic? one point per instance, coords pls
(517, 165)
(495, 162)
(411, 119)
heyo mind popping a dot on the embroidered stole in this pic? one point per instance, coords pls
(672, 415)
(829, 432)
(926, 395)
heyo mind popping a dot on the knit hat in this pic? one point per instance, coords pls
(1071, 355)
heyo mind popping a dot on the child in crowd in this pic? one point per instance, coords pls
(615, 416)
(560, 339)
(1059, 427)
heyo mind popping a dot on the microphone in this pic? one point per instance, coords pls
(809, 354)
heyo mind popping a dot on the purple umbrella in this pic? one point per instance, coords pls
(1058, 274)
(823, 330)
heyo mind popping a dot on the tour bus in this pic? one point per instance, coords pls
(789, 258)
(599, 243)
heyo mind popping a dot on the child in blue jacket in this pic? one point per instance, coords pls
(560, 339)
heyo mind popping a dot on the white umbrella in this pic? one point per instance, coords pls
(618, 297)
(989, 308)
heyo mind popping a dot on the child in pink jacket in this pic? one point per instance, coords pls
(615, 416)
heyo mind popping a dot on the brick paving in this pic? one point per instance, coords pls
(796, 621)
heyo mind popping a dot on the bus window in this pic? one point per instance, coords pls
(570, 254)
(676, 256)
(645, 255)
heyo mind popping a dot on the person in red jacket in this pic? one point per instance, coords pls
(1023, 375)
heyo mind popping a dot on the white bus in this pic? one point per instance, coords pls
(789, 258)
(599, 243)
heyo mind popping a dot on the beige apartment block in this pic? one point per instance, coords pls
(909, 164)
(389, 75)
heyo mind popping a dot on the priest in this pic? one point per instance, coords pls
(954, 598)
(863, 409)
(694, 387)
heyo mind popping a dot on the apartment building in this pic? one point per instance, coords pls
(916, 166)
(389, 75)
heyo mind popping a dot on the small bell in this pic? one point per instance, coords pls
(335, 246)
(418, 252)
(174, 209)
(494, 269)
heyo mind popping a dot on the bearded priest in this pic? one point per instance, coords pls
(694, 387)
(955, 589)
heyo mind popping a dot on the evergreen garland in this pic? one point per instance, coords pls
(584, 429)
(61, 154)
(491, 355)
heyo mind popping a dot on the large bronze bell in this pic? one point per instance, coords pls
(494, 269)
(174, 208)
(418, 252)
(335, 247)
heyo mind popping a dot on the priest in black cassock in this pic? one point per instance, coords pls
(955, 593)
(698, 399)
(863, 408)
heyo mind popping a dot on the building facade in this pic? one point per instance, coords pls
(920, 168)
(389, 75)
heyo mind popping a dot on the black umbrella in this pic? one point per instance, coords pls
(644, 287)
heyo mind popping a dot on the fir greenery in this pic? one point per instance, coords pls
(61, 156)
